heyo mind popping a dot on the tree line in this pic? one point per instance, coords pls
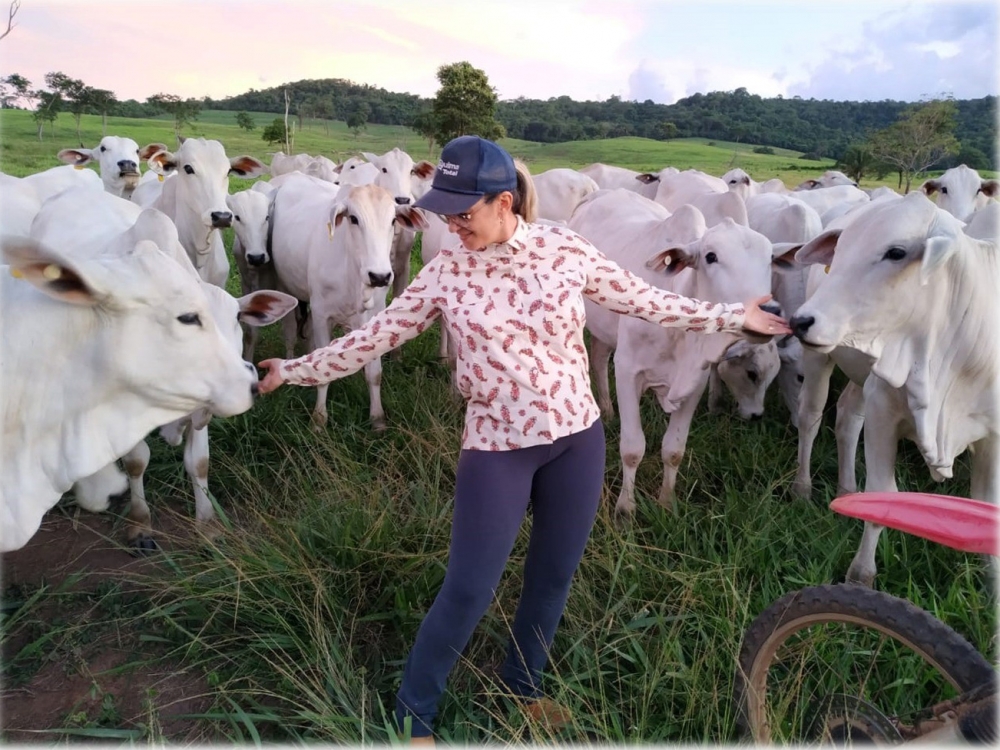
(820, 128)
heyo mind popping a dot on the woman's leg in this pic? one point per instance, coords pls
(564, 500)
(491, 497)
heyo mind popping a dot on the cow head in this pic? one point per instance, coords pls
(118, 159)
(748, 369)
(251, 219)
(961, 191)
(395, 174)
(738, 181)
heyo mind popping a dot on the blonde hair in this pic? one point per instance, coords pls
(525, 197)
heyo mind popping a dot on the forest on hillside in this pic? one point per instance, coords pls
(819, 127)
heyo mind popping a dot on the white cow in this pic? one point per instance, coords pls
(744, 186)
(356, 171)
(131, 331)
(830, 178)
(196, 199)
(961, 191)
(23, 196)
(560, 192)
(405, 181)
(724, 263)
(747, 370)
(609, 177)
(841, 197)
(118, 160)
(911, 290)
(786, 221)
(674, 190)
(333, 247)
(92, 220)
(984, 224)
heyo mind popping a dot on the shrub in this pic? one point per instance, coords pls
(763, 150)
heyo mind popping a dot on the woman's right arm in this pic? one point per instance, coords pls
(406, 316)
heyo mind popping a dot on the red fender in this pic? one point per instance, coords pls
(957, 522)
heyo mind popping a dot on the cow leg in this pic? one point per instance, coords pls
(817, 369)
(140, 529)
(290, 333)
(373, 376)
(986, 470)
(196, 465)
(715, 393)
(673, 445)
(96, 492)
(850, 421)
(402, 247)
(321, 337)
(600, 358)
(882, 433)
(633, 441)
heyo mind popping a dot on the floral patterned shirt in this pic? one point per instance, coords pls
(516, 312)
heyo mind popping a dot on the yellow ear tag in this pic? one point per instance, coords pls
(329, 229)
(16, 273)
(52, 272)
(77, 166)
(159, 177)
(826, 270)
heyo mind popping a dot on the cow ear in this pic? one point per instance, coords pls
(338, 168)
(990, 188)
(265, 306)
(930, 187)
(370, 156)
(942, 241)
(647, 178)
(783, 255)
(148, 150)
(672, 260)
(412, 218)
(422, 169)
(43, 268)
(819, 249)
(162, 163)
(808, 185)
(76, 156)
(246, 166)
(740, 349)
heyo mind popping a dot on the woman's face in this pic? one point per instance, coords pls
(482, 224)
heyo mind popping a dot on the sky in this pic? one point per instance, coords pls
(585, 49)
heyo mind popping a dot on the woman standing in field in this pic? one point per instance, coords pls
(512, 296)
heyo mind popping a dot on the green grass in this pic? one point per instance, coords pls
(336, 544)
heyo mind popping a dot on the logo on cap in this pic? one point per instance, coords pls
(448, 168)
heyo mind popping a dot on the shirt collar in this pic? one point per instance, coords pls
(518, 241)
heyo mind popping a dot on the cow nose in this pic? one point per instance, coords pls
(126, 166)
(256, 260)
(221, 219)
(379, 279)
(402, 201)
(254, 390)
(756, 416)
(800, 324)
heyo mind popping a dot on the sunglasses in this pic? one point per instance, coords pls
(461, 220)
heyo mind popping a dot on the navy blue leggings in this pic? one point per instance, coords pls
(492, 489)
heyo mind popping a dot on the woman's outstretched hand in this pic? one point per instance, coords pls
(272, 381)
(760, 321)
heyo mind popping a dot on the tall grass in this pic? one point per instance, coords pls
(302, 614)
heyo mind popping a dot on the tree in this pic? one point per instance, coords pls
(74, 92)
(425, 124)
(666, 130)
(49, 106)
(323, 109)
(103, 102)
(465, 104)
(921, 137)
(857, 161)
(245, 121)
(13, 89)
(275, 132)
(357, 120)
(184, 111)
(15, 6)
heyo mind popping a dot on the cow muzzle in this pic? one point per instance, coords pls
(258, 259)
(221, 219)
(379, 279)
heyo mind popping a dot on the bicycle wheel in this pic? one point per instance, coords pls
(846, 663)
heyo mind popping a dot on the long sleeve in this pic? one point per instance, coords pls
(621, 291)
(406, 317)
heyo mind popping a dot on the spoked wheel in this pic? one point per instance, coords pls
(845, 664)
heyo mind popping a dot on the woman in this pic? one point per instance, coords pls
(512, 296)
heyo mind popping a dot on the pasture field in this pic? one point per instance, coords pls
(295, 625)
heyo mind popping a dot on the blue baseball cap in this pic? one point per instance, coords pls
(470, 167)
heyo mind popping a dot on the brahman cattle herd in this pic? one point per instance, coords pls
(115, 318)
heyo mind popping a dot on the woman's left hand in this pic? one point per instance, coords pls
(760, 321)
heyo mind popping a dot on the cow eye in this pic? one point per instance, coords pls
(800, 378)
(237, 217)
(732, 182)
(189, 319)
(752, 374)
(711, 258)
(189, 169)
(103, 149)
(944, 191)
(894, 253)
(385, 171)
(354, 220)
(353, 166)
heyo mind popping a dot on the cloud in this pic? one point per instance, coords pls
(916, 52)
(667, 80)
